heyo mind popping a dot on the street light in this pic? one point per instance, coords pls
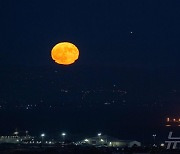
(42, 136)
(63, 135)
(99, 134)
(154, 136)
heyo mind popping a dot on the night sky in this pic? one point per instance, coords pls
(134, 44)
(101, 29)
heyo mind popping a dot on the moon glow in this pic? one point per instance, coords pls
(65, 53)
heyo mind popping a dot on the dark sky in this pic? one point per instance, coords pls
(100, 28)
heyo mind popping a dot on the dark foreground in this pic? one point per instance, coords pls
(72, 149)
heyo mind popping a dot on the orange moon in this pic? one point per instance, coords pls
(65, 53)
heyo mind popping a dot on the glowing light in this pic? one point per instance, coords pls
(168, 119)
(63, 134)
(86, 140)
(162, 144)
(99, 134)
(65, 53)
(168, 125)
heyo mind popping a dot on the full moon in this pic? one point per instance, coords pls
(65, 53)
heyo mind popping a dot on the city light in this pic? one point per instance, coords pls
(168, 125)
(86, 140)
(42, 135)
(99, 134)
(162, 144)
(63, 134)
(102, 140)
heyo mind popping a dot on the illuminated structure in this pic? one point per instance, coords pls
(15, 138)
(174, 122)
(63, 135)
(108, 141)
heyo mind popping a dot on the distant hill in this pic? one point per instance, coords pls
(87, 99)
(46, 84)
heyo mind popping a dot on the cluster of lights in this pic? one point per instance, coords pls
(18, 139)
(9, 137)
(43, 135)
(173, 120)
(49, 142)
(99, 135)
(39, 142)
(63, 90)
